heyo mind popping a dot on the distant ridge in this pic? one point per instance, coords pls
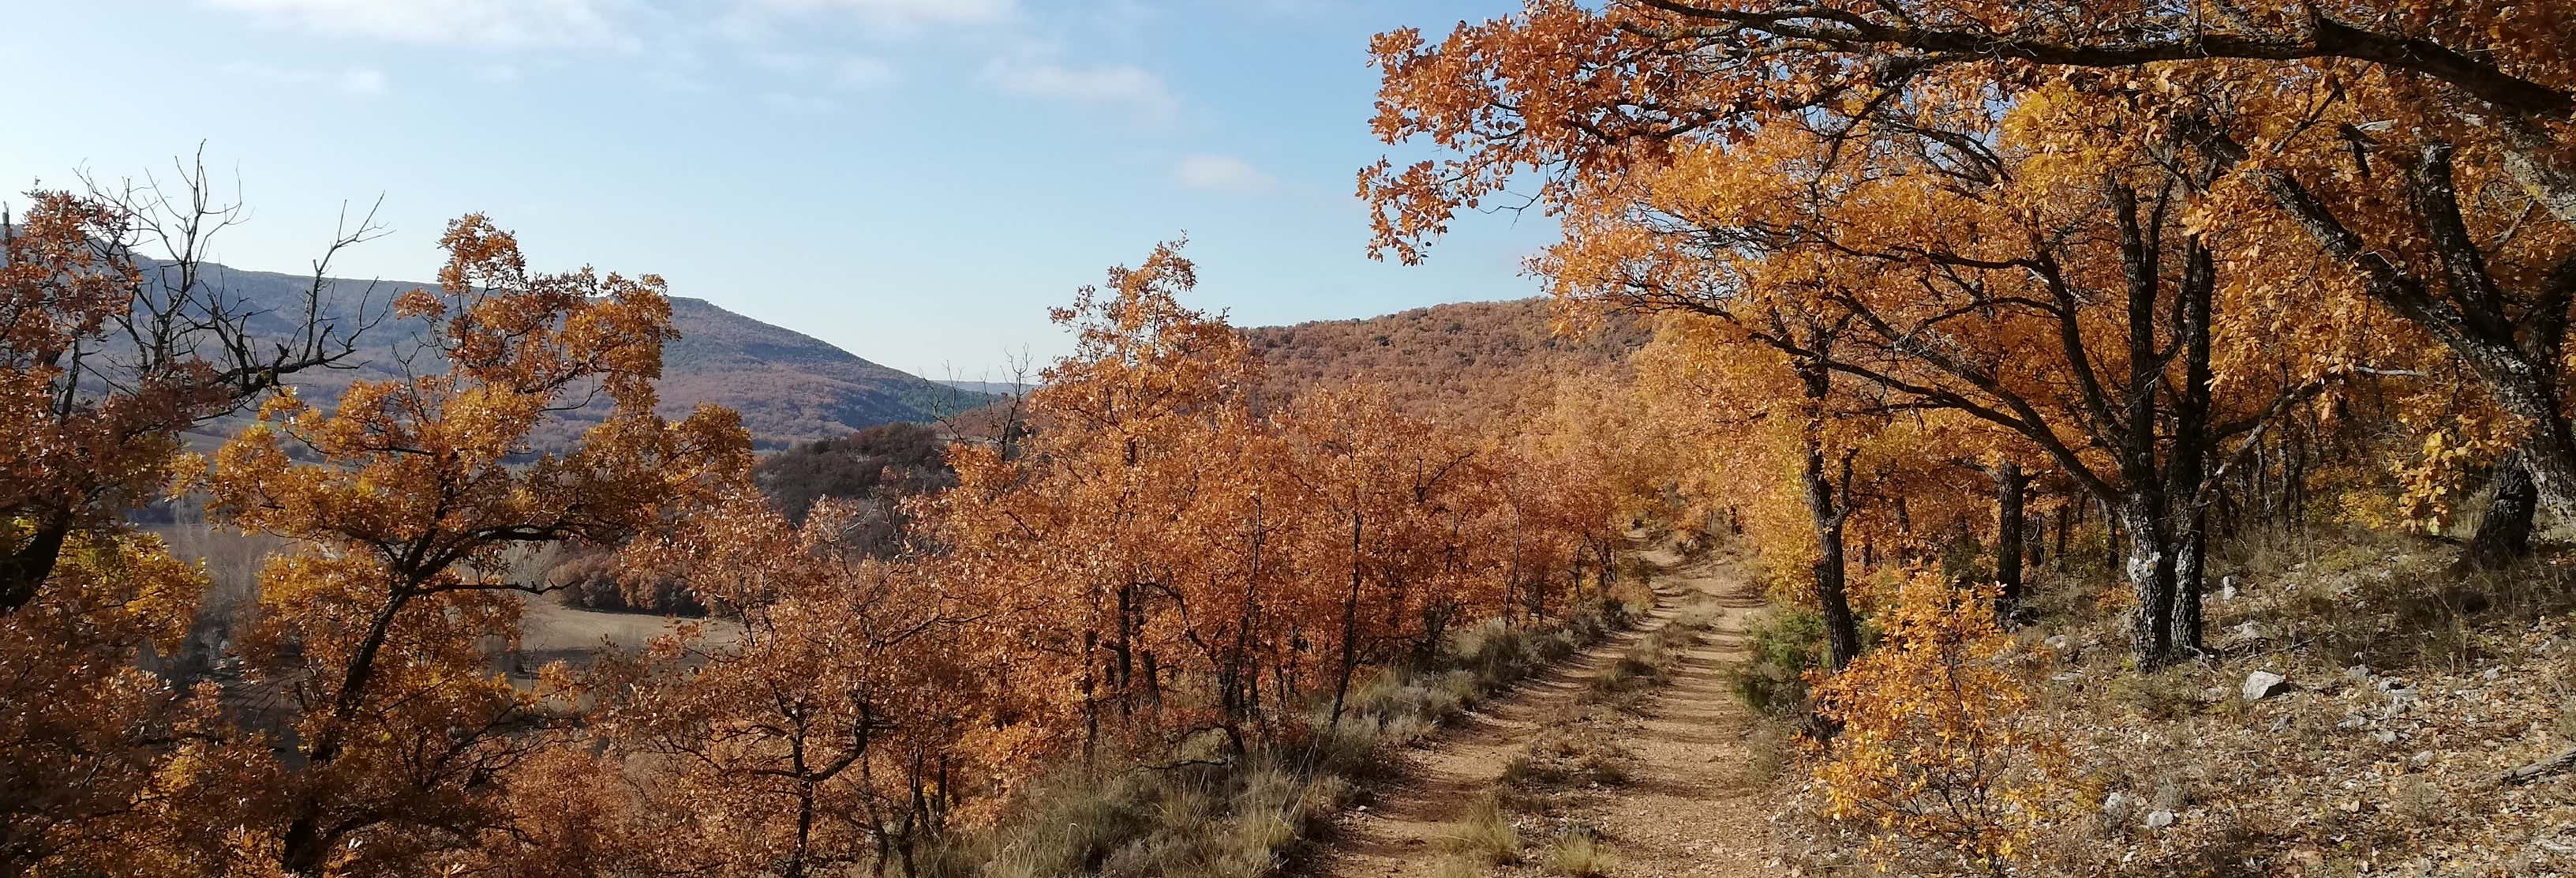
(790, 387)
(995, 388)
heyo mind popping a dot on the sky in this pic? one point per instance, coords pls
(915, 181)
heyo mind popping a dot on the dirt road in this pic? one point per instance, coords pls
(1693, 809)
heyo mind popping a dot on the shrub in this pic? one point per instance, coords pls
(1782, 647)
(595, 581)
(1938, 745)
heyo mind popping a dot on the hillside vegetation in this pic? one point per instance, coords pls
(1459, 360)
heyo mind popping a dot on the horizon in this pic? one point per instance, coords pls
(862, 127)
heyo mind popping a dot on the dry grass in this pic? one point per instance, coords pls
(2410, 691)
(1484, 834)
(1243, 818)
(1579, 855)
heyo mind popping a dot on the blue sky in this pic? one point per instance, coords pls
(914, 180)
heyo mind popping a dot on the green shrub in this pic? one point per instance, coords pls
(1781, 646)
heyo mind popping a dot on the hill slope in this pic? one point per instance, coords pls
(1460, 360)
(789, 387)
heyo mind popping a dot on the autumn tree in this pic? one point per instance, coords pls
(1380, 494)
(1171, 562)
(1772, 421)
(406, 501)
(835, 715)
(118, 339)
(1081, 517)
(114, 339)
(1950, 231)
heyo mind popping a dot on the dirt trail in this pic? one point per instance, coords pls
(1693, 809)
(1697, 806)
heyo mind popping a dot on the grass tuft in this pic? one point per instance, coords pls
(1579, 855)
(1485, 834)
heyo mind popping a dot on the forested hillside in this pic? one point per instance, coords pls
(1464, 359)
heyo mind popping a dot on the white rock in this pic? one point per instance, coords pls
(2384, 736)
(2422, 758)
(2117, 807)
(2227, 588)
(2249, 631)
(2159, 819)
(2261, 684)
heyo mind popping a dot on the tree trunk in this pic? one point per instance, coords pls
(1350, 628)
(1828, 512)
(1122, 651)
(2149, 570)
(2009, 533)
(2034, 541)
(2065, 519)
(2111, 539)
(2191, 563)
(24, 570)
(2504, 532)
(1842, 630)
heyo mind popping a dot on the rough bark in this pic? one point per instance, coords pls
(2504, 531)
(2516, 361)
(2010, 531)
(23, 569)
(1842, 629)
(2191, 564)
(2149, 570)
(1828, 509)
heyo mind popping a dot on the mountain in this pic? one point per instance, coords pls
(995, 388)
(790, 387)
(1465, 360)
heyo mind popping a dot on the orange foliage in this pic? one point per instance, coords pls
(1937, 741)
(376, 626)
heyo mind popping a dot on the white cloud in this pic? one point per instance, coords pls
(489, 23)
(896, 14)
(1118, 84)
(1222, 173)
(360, 81)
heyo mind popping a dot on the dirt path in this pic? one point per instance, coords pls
(1691, 812)
(1697, 807)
